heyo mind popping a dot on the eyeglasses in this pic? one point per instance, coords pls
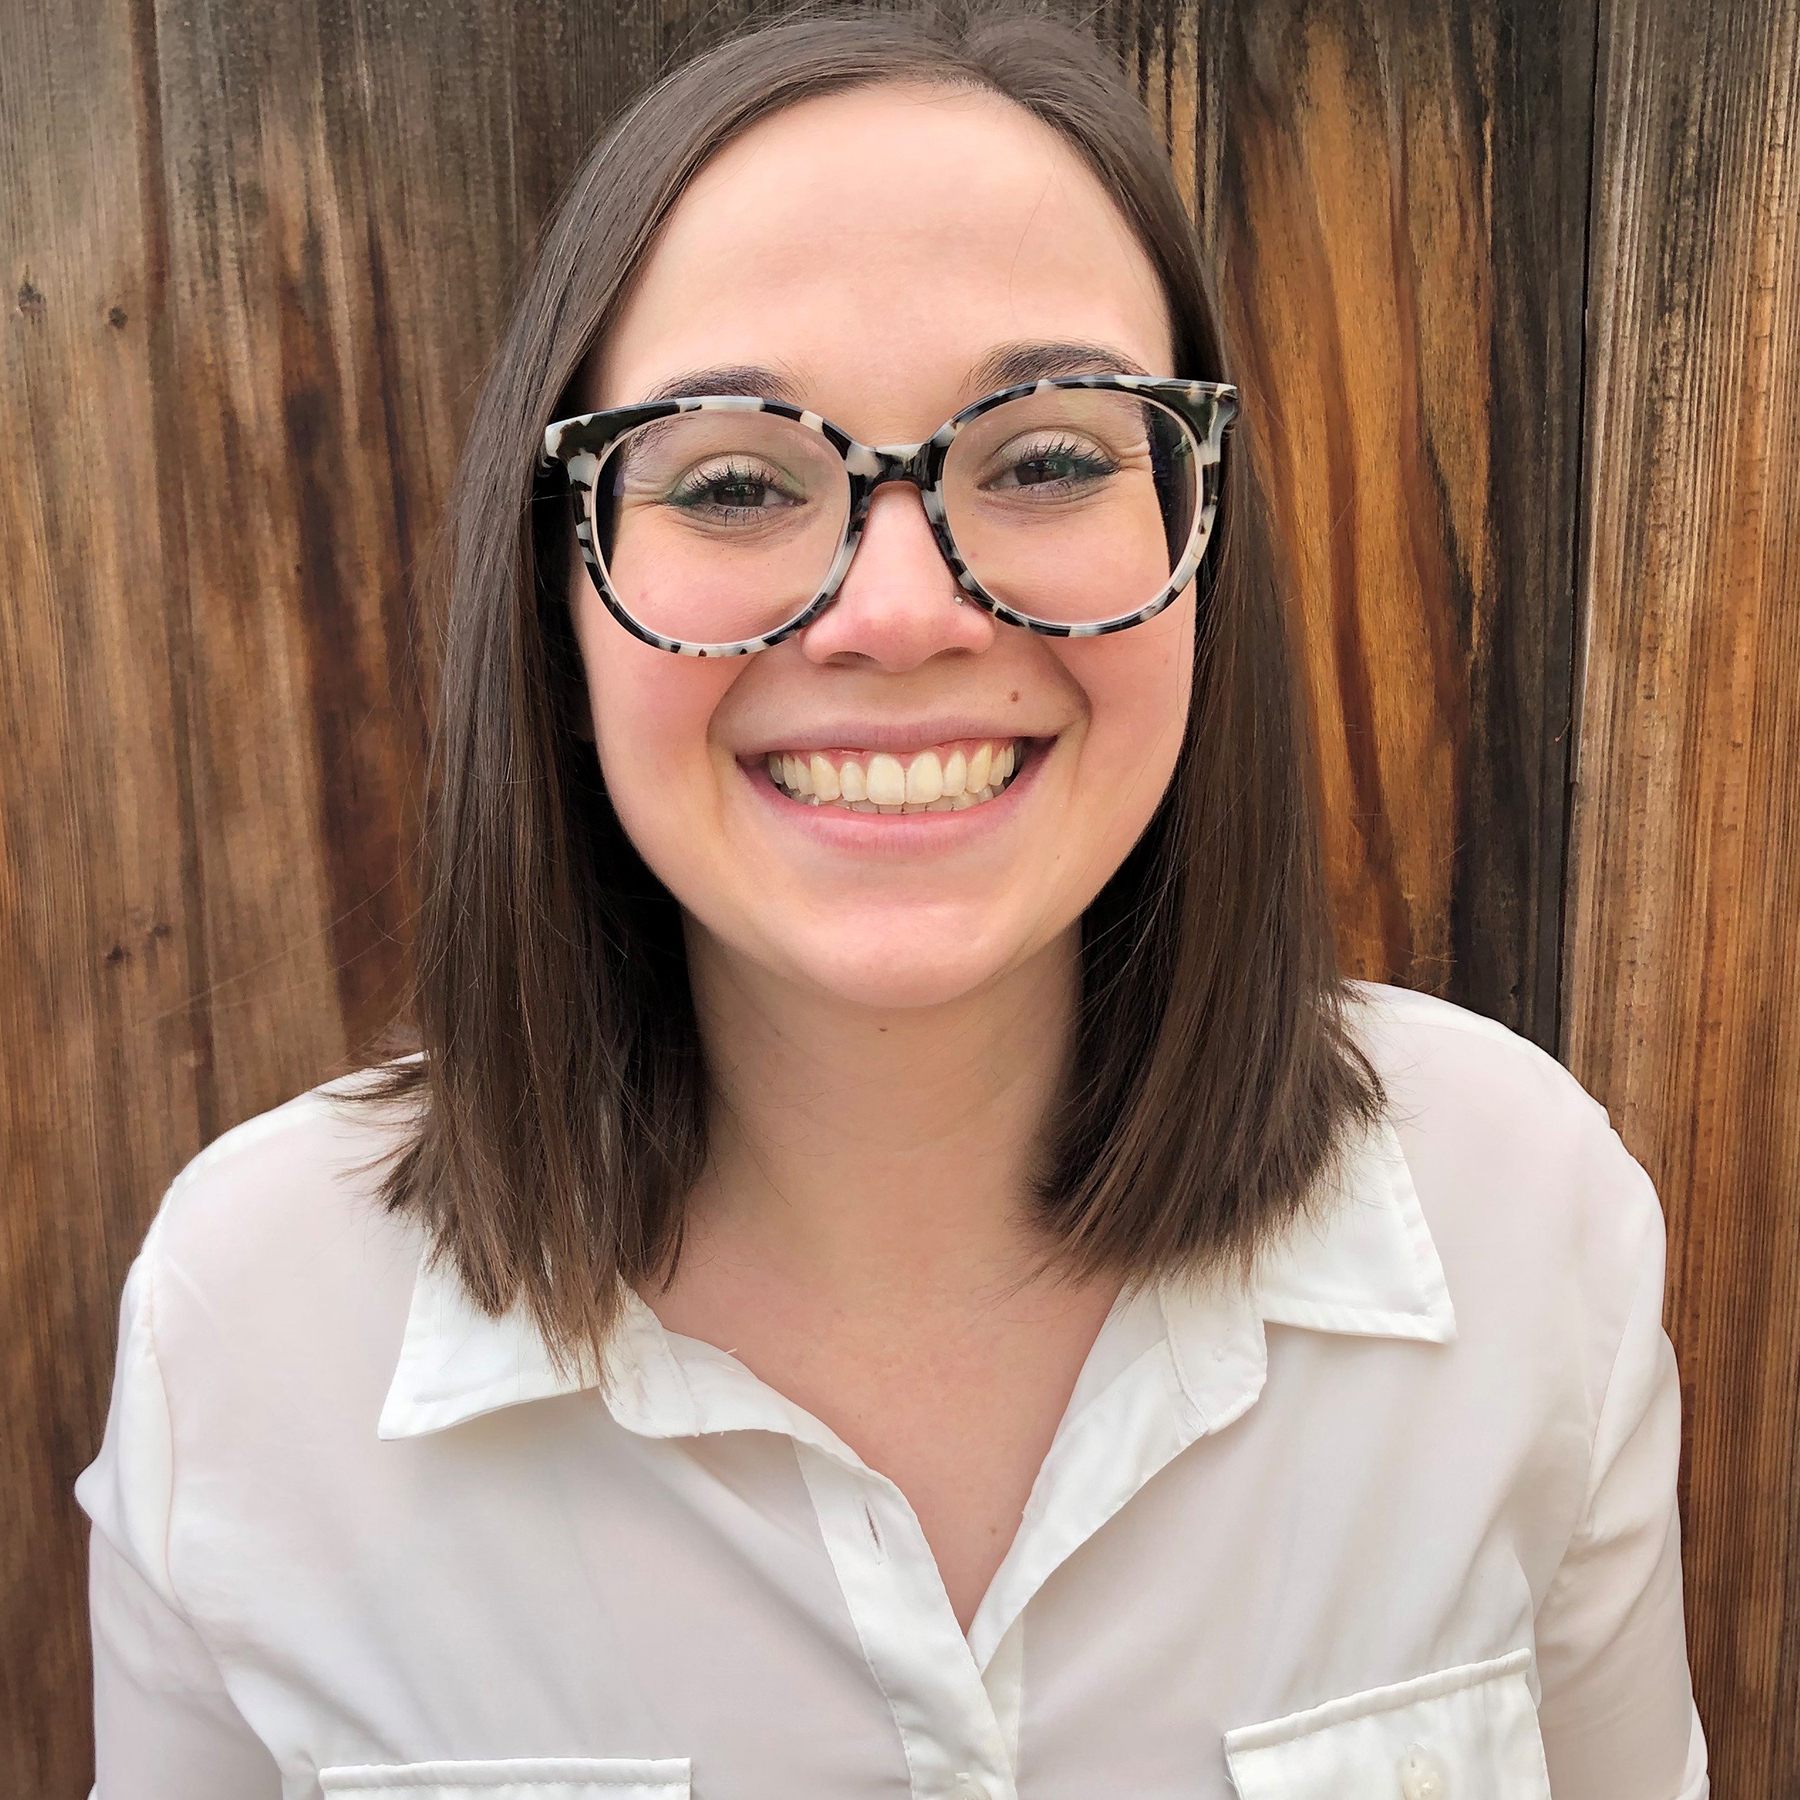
(1075, 506)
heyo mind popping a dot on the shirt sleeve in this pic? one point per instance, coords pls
(165, 1727)
(1617, 1708)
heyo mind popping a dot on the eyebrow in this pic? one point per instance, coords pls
(1005, 366)
(1013, 363)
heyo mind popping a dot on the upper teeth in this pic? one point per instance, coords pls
(946, 779)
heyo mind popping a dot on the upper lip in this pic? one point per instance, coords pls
(897, 737)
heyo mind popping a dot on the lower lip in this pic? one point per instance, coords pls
(896, 834)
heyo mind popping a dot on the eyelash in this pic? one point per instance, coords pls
(1074, 451)
(691, 490)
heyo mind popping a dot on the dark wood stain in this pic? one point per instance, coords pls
(1682, 981)
(168, 469)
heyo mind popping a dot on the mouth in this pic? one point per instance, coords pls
(952, 777)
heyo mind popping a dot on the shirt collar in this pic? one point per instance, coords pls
(1368, 1267)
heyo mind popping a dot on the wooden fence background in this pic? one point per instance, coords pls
(1519, 285)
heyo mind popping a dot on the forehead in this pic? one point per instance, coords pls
(877, 245)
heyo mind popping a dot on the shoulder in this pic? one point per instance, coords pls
(271, 1246)
(1476, 1087)
(296, 1171)
(1547, 1226)
(264, 1308)
(1475, 1055)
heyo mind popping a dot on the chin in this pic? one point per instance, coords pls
(894, 990)
(887, 971)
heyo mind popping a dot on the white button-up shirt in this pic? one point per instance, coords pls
(1399, 1525)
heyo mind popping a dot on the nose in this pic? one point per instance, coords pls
(898, 606)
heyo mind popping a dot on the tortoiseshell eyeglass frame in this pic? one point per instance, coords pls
(579, 447)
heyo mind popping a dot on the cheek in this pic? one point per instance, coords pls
(1138, 685)
(651, 714)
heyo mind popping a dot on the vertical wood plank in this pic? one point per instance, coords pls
(1683, 964)
(107, 1051)
(1396, 206)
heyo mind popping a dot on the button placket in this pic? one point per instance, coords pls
(954, 1744)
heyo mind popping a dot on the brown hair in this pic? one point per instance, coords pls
(558, 1106)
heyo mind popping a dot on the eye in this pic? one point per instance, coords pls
(731, 489)
(1058, 465)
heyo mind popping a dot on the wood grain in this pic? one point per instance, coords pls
(1682, 968)
(106, 1050)
(1397, 199)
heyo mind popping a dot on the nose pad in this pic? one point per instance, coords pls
(896, 475)
(925, 526)
(879, 610)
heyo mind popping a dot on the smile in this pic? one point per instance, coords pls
(945, 778)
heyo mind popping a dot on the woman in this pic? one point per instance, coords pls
(800, 1326)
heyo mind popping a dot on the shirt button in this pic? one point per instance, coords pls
(1422, 1776)
(966, 1787)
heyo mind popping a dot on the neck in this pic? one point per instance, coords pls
(877, 1159)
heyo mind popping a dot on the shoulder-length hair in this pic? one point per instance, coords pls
(559, 1094)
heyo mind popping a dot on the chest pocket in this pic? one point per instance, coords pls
(1466, 1733)
(514, 1778)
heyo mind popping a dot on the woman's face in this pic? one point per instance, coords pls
(874, 248)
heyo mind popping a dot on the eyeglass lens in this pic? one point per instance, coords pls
(1072, 506)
